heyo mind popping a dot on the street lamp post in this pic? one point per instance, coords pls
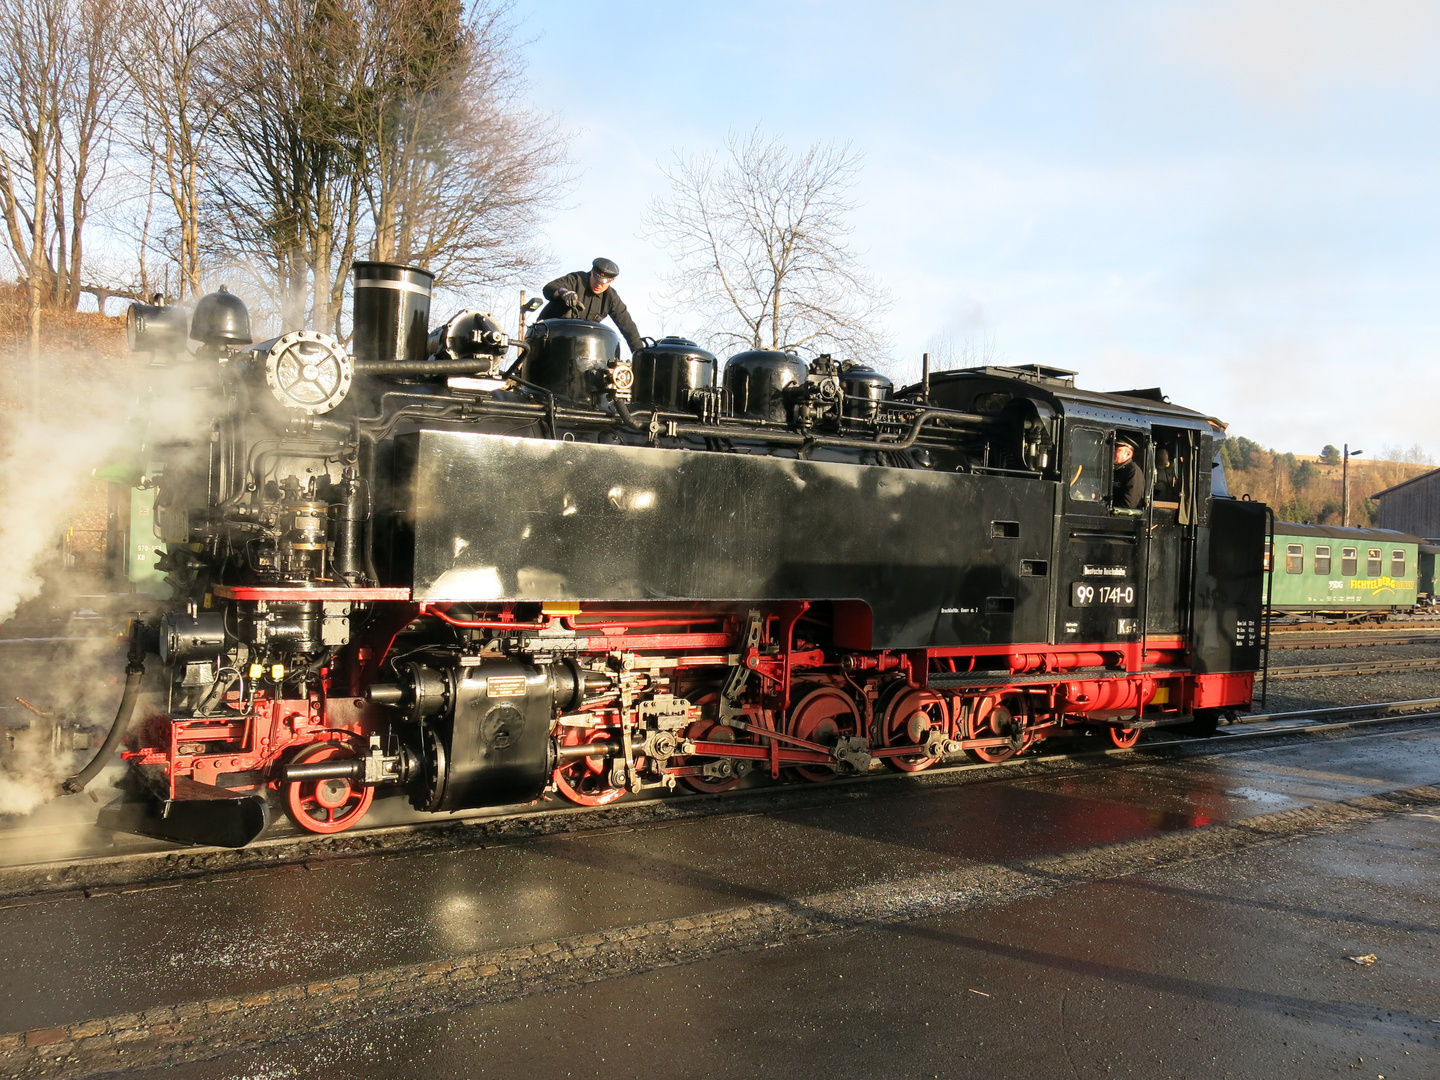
(1345, 484)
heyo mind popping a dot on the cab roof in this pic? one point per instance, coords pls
(1338, 532)
(1057, 385)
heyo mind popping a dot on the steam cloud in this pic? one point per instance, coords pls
(45, 461)
(47, 456)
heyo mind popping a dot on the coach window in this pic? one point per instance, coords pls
(1347, 562)
(1397, 564)
(1086, 467)
(1294, 558)
(1374, 562)
(1322, 560)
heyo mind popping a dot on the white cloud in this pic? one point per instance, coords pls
(1286, 50)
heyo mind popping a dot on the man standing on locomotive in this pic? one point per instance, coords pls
(587, 295)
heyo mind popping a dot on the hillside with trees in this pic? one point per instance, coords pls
(1307, 488)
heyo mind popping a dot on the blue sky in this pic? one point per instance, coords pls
(1237, 201)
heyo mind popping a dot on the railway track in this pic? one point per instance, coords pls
(1298, 626)
(1364, 667)
(1336, 639)
(1330, 718)
(167, 863)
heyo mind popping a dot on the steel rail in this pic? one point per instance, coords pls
(1337, 718)
(1364, 667)
(1351, 640)
(1319, 627)
(1388, 708)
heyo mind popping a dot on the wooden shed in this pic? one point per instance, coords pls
(1412, 507)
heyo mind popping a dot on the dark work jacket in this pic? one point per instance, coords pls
(1129, 486)
(592, 308)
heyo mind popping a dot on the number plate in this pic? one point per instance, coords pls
(1085, 593)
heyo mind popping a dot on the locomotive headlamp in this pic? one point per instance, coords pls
(308, 371)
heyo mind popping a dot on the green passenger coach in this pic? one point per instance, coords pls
(1324, 568)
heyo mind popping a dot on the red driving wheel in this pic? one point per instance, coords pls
(909, 719)
(326, 806)
(823, 716)
(1125, 737)
(996, 720)
(715, 732)
(586, 781)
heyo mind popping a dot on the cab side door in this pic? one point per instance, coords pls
(1170, 531)
(1100, 588)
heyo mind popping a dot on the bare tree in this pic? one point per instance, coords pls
(759, 241)
(59, 88)
(284, 200)
(278, 136)
(32, 87)
(391, 119)
(97, 92)
(1414, 454)
(455, 170)
(170, 56)
(949, 350)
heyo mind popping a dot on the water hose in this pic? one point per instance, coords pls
(134, 673)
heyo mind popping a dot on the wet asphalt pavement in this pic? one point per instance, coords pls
(1225, 966)
(1236, 970)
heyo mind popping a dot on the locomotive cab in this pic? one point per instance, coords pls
(1121, 575)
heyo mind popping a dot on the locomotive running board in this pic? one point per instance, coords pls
(955, 680)
(200, 814)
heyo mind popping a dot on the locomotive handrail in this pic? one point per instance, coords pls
(1269, 597)
(1148, 531)
(791, 438)
(997, 471)
(425, 367)
(472, 366)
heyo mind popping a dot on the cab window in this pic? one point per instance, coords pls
(1374, 563)
(1322, 560)
(1347, 562)
(1397, 564)
(1086, 473)
(1294, 558)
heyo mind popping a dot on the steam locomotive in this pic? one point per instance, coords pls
(482, 571)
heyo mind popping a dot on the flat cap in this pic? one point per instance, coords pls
(605, 268)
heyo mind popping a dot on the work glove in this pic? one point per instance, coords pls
(569, 298)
